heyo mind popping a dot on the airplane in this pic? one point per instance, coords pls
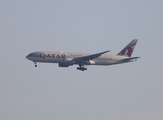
(66, 59)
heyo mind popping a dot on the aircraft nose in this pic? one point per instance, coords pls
(27, 56)
(30, 56)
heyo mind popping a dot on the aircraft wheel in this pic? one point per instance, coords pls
(81, 68)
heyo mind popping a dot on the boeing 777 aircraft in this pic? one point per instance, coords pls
(66, 59)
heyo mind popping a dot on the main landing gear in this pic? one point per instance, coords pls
(82, 68)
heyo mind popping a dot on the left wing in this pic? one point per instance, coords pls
(89, 57)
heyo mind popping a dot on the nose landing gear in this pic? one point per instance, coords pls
(35, 64)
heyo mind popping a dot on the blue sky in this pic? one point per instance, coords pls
(128, 91)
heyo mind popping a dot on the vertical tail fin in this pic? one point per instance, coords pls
(127, 51)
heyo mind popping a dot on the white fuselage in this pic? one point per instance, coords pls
(61, 57)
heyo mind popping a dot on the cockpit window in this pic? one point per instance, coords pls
(30, 54)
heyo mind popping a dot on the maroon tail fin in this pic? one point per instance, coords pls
(127, 51)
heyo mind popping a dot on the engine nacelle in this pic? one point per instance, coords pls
(63, 65)
(66, 63)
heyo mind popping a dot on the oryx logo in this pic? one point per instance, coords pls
(127, 51)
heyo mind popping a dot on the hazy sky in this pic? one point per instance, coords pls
(130, 91)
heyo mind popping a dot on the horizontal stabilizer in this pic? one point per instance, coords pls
(131, 58)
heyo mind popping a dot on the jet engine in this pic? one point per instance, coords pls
(66, 62)
(63, 65)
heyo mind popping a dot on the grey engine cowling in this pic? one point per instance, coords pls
(66, 62)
